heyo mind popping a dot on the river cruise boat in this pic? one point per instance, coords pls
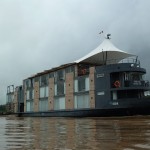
(105, 82)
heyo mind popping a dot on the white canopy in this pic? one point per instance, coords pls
(105, 52)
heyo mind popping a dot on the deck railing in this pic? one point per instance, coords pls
(131, 84)
(126, 60)
(139, 83)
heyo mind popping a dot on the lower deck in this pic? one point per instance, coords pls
(135, 108)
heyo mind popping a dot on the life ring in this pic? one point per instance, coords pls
(117, 84)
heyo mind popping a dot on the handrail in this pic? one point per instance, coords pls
(126, 60)
(141, 83)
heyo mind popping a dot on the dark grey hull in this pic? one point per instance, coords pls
(90, 113)
(125, 108)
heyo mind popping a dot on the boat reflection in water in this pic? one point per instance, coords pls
(74, 133)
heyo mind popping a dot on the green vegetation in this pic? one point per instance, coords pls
(2, 109)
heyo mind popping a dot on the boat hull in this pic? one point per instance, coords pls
(89, 113)
(126, 108)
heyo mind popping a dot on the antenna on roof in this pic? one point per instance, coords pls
(108, 36)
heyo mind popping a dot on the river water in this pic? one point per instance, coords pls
(120, 133)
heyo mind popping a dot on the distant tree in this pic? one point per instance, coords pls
(2, 109)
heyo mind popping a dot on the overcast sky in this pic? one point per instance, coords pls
(36, 35)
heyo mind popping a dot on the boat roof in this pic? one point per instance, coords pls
(104, 52)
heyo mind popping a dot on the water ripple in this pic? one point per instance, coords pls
(122, 133)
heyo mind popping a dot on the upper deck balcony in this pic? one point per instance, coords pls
(132, 61)
(131, 84)
(128, 73)
(136, 83)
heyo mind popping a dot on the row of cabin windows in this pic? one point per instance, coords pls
(80, 101)
(43, 105)
(43, 93)
(43, 80)
(80, 85)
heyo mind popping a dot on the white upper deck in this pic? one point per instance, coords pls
(105, 52)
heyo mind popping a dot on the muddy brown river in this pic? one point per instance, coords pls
(119, 133)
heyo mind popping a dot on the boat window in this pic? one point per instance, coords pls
(126, 76)
(43, 91)
(81, 84)
(44, 80)
(69, 69)
(59, 103)
(36, 79)
(21, 94)
(81, 101)
(29, 83)
(60, 88)
(29, 106)
(83, 69)
(51, 75)
(60, 75)
(30, 94)
(136, 76)
(43, 105)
